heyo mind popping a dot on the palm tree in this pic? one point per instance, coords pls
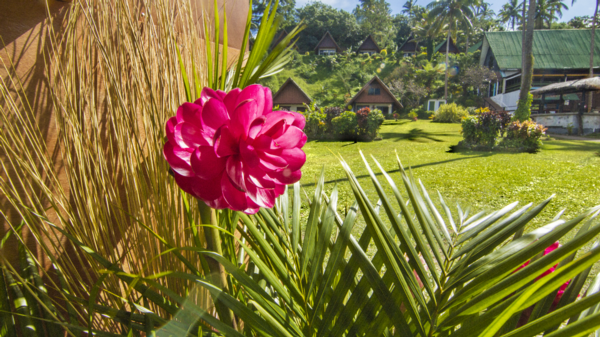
(409, 7)
(510, 13)
(556, 8)
(522, 112)
(548, 11)
(451, 12)
(589, 102)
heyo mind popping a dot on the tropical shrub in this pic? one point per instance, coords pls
(413, 115)
(450, 113)
(345, 125)
(526, 135)
(369, 122)
(331, 113)
(315, 124)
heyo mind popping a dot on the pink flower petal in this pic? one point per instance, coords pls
(299, 120)
(256, 93)
(214, 115)
(268, 101)
(235, 171)
(262, 197)
(256, 126)
(276, 123)
(189, 135)
(208, 93)
(286, 176)
(225, 143)
(179, 159)
(206, 164)
(259, 178)
(295, 157)
(218, 203)
(236, 199)
(170, 129)
(202, 189)
(242, 117)
(279, 189)
(249, 155)
(189, 112)
(291, 138)
(270, 162)
(264, 143)
(231, 101)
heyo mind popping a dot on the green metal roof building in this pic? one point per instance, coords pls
(552, 49)
(559, 55)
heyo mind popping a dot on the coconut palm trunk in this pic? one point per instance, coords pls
(527, 71)
(590, 96)
(447, 61)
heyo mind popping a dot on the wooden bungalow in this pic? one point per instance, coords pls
(369, 46)
(375, 95)
(291, 97)
(327, 45)
(561, 55)
(409, 48)
(563, 105)
(441, 48)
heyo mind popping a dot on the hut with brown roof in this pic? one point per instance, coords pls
(441, 48)
(327, 45)
(369, 46)
(291, 97)
(408, 48)
(375, 95)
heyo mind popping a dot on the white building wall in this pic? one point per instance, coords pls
(507, 101)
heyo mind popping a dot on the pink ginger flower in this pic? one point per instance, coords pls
(231, 150)
(527, 312)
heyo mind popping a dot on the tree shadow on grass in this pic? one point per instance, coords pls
(571, 145)
(487, 154)
(415, 135)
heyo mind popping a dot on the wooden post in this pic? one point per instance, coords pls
(580, 114)
(543, 104)
(561, 102)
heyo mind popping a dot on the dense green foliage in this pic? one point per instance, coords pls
(523, 112)
(331, 81)
(525, 136)
(450, 113)
(486, 130)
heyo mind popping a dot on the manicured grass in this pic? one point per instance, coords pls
(479, 180)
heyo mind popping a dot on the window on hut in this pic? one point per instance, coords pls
(374, 90)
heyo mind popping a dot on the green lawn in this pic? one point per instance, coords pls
(479, 180)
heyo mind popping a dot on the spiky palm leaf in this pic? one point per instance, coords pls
(435, 271)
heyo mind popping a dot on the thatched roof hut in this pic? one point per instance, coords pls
(586, 84)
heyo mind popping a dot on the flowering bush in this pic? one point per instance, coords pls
(413, 115)
(231, 150)
(450, 113)
(526, 135)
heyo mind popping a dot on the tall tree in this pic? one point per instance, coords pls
(374, 18)
(320, 18)
(548, 11)
(510, 13)
(594, 20)
(523, 110)
(451, 13)
(285, 8)
(409, 7)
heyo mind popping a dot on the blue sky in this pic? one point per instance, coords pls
(580, 8)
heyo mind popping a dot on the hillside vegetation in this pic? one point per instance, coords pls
(334, 80)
